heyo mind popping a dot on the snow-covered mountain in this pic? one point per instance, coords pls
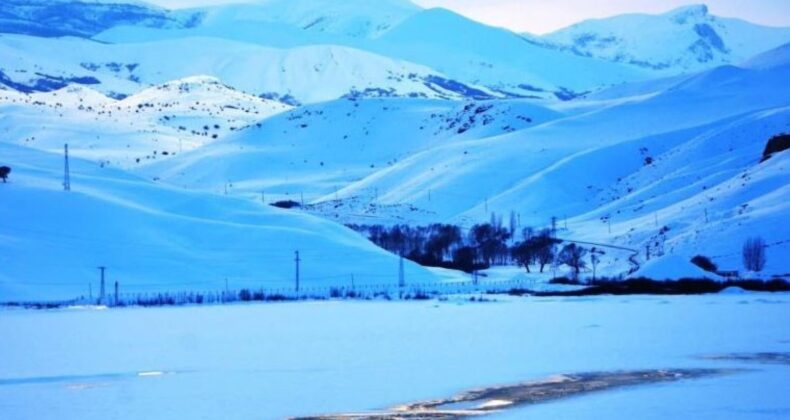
(448, 43)
(497, 58)
(322, 19)
(156, 123)
(683, 40)
(181, 125)
(295, 155)
(298, 75)
(54, 18)
(707, 142)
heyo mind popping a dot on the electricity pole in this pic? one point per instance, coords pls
(401, 276)
(116, 293)
(553, 226)
(297, 260)
(66, 175)
(101, 284)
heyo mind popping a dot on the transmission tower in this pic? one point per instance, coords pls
(66, 175)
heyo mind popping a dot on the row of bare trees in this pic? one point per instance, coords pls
(484, 245)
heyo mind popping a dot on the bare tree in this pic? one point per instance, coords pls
(545, 248)
(754, 254)
(572, 255)
(595, 259)
(524, 254)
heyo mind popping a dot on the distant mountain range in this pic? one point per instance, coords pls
(392, 48)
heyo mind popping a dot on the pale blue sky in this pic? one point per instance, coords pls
(539, 16)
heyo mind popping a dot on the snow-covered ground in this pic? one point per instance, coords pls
(277, 360)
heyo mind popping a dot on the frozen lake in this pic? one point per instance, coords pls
(272, 361)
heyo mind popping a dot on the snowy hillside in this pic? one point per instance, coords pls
(305, 74)
(494, 57)
(465, 50)
(156, 238)
(318, 18)
(684, 40)
(154, 124)
(328, 44)
(679, 179)
(564, 168)
(312, 151)
(54, 18)
(181, 131)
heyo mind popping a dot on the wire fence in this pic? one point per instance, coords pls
(413, 291)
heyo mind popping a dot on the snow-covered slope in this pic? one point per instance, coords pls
(603, 165)
(53, 18)
(304, 74)
(609, 166)
(155, 238)
(348, 18)
(208, 107)
(684, 40)
(465, 50)
(155, 124)
(324, 35)
(494, 57)
(314, 150)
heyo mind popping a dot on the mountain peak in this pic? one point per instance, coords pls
(685, 14)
